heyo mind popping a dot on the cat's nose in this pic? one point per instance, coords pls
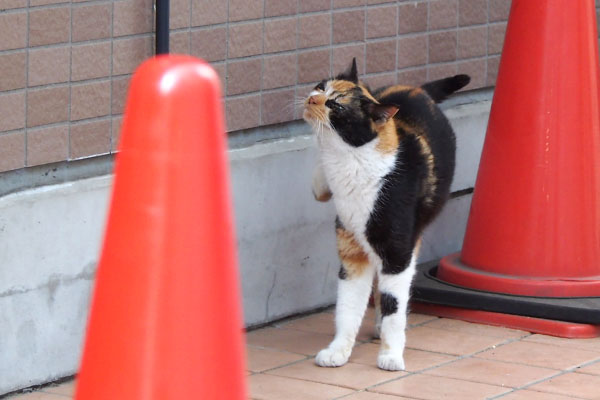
(312, 100)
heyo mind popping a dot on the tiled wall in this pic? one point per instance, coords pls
(65, 65)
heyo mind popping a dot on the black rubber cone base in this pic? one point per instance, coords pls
(429, 290)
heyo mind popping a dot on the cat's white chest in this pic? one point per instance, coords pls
(355, 176)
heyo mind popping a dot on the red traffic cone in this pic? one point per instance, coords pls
(534, 225)
(165, 320)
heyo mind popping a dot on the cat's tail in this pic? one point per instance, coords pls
(440, 90)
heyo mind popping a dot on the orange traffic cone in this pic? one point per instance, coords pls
(165, 320)
(534, 225)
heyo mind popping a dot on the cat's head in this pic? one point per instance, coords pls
(344, 106)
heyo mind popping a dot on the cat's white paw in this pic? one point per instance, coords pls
(390, 362)
(332, 357)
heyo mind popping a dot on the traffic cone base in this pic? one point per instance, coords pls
(549, 327)
(453, 271)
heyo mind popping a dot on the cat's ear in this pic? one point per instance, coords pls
(351, 74)
(381, 113)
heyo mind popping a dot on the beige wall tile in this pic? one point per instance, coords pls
(243, 10)
(242, 112)
(47, 106)
(132, 16)
(210, 44)
(443, 14)
(314, 5)
(500, 9)
(471, 12)
(49, 65)
(48, 26)
(280, 35)
(313, 66)
(34, 3)
(382, 21)
(90, 61)
(10, 4)
(46, 145)
(274, 8)
(342, 57)
(441, 71)
(442, 47)
(116, 132)
(492, 70)
(13, 31)
(381, 56)
(412, 17)
(245, 39)
(314, 30)
(13, 67)
(348, 3)
(179, 42)
(12, 151)
(348, 26)
(90, 138)
(277, 106)
(208, 12)
(496, 33)
(243, 76)
(179, 14)
(380, 80)
(412, 77)
(129, 53)
(90, 100)
(472, 42)
(91, 22)
(279, 71)
(120, 86)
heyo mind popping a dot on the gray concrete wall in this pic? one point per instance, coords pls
(50, 238)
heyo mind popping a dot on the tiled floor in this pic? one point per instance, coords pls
(445, 359)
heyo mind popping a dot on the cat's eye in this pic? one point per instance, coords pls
(334, 105)
(321, 86)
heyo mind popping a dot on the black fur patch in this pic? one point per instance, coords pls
(402, 210)
(343, 275)
(389, 304)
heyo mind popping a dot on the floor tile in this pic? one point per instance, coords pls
(354, 376)
(456, 343)
(435, 388)
(541, 355)
(492, 372)
(374, 396)
(262, 359)
(65, 389)
(476, 329)
(592, 369)
(415, 319)
(584, 344)
(531, 395)
(579, 385)
(37, 396)
(415, 360)
(325, 323)
(271, 387)
(308, 343)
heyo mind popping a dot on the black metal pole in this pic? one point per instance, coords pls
(162, 27)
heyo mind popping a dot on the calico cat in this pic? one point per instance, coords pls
(387, 160)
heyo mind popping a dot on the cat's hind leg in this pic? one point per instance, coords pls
(354, 287)
(394, 287)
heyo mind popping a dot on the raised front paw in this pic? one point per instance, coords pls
(332, 357)
(390, 362)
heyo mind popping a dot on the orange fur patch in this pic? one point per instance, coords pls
(395, 89)
(388, 137)
(342, 86)
(324, 197)
(351, 254)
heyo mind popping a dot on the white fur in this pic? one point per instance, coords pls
(393, 337)
(352, 299)
(320, 187)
